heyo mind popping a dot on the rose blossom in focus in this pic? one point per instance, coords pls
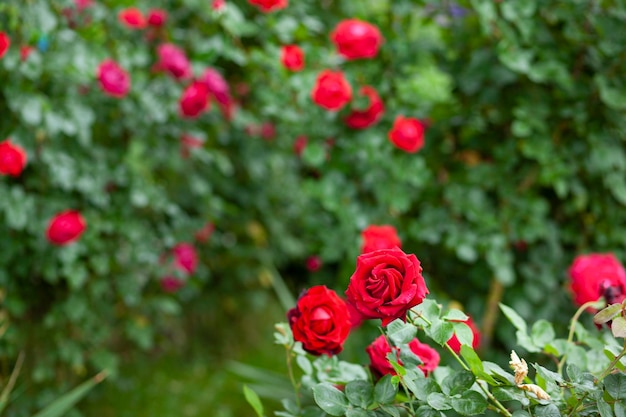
(597, 275)
(379, 349)
(380, 237)
(320, 320)
(362, 119)
(407, 133)
(173, 60)
(331, 90)
(66, 227)
(355, 39)
(386, 284)
(132, 18)
(12, 158)
(292, 57)
(114, 80)
(267, 6)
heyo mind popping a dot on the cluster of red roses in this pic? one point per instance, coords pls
(386, 284)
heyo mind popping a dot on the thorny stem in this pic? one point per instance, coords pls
(572, 328)
(296, 386)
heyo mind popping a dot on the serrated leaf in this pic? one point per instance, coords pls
(618, 327)
(542, 333)
(438, 401)
(359, 412)
(607, 314)
(441, 332)
(615, 385)
(400, 332)
(360, 393)
(390, 410)
(330, 399)
(471, 358)
(516, 320)
(457, 382)
(470, 403)
(603, 408)
(505, 394)
(573, 372)
(253, 399)
(619, 410)
(463, 333)
(429, 309)
(455, 315)
(385, 390)
(305, 364)
(549, 410)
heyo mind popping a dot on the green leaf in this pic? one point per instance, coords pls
(542, 333)
(516, 320)
(470, 403)
(463, 333)
(429, 309)
(618, 327)
(438, 401)
(330, 399)
(471, 358)
(574, 373)
(305, 364)
(615, 385)
(390, 410)
(603, 408)
(359, 412)
(607, 314)
(521, 413)
(385, 390)
(400, 332)
(549, 410)
(360, 393)
(457, 382)
(63, 404)
(505, 394)
(254, 400)
(456, 315)
(441, 332)
(426, 411)
(422, 387)
(619, 409)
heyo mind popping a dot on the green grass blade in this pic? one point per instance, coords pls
(254, 400)
(4, 397)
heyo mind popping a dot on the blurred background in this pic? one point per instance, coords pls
(212, 189)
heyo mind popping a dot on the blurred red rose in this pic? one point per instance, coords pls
(219, 89)
(379, 349)
(386, 284)
(331, 90)
(320, 320)
(454, 343)
(356, 39)
(5, 43)
(157, 17)
(597, 275)
(132, 18)
(173, 60)
(407, 133)
(12, 158)
(299, 144)
(187, 143)
(66, 227)
(25, 52)
(218, 5)
(171, 284)
(292, 57)
(83, 4)
(267, 6)
(205, 233)
(268, 131)
(313, 263)
(379, 237)
(362, 119)
(194, 100)
(114, 80)
(185, 258)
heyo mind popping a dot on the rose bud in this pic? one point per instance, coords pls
(114, 80)
(356, 39)
(66, 227)
(379, 349)
(267, 6)
(597, 275)
(386, 284)
(362, 119)
(331, 90)
(292, 57)
(320, 321)
(12, 158)
(407, 133)
(380, 237)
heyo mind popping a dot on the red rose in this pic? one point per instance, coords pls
(379, 237)
(185, 258)
(379, 349)
(66, 227)
(407, 133)
(173, 60)
(292, 57)
(219, 89)
(454, 343)
(171, 284)
(132, 18)
(299, 144)
(114, 81)
(267, 6)
(320, 320)
(5, 42)
(596, 275)
(331, 90)
(157, 17)
(12, 158)
(356, 39)
(313, 263)
(386, 284)
(362, 119)
(195, 100)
